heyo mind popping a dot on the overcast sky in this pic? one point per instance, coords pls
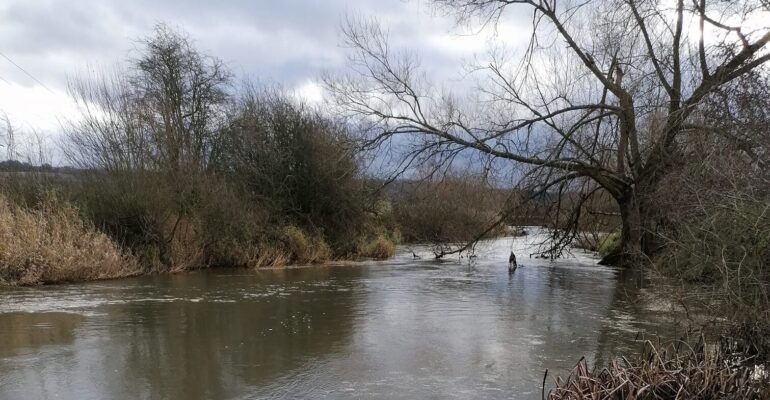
(290, 42)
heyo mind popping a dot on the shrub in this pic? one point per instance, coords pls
(53, 244)
(242, 178)
(456, 209)
(380, 247)
(716, 239)
(304, 248)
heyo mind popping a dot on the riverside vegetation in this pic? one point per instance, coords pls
(175, 169)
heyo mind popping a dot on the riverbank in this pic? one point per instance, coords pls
(53, 244)
(53, 241)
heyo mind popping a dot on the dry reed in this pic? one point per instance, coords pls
(53, 244)
(671, 372)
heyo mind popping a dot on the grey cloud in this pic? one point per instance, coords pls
(284, 41)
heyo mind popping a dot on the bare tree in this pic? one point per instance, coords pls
(599, 101)
(165, 111)
(110, 132)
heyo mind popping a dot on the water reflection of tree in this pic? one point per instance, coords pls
(27, 332)
(190, 350)
(545, 315)
(638, 312)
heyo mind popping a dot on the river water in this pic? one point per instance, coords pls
(403, 328)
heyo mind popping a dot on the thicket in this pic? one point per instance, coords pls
(714, 235)
(453, 209)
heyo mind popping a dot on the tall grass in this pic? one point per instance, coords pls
(53, 244)
(304, 248)
(380, 247)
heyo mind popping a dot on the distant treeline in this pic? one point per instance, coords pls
(20, 166)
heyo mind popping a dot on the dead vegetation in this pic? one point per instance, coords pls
(677, 371)
(453, 209)
(53, 244)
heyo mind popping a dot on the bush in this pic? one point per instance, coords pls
(140, 211)
(53, 244)
(716, 239)
(380, 247)
(185, 173)
(304, 248)
(725, 245)
(454, 210)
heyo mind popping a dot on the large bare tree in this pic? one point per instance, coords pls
(599, 100)
(164, 111)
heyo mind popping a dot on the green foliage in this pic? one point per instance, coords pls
(609, 244)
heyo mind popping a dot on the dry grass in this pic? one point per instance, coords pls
(184, 247)
(53, 244)
(675, 372)
(268, 256)
(304, 248)
(381, 247)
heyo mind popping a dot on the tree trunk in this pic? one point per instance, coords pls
(634, 234)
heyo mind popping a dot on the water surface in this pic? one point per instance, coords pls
(401, 328)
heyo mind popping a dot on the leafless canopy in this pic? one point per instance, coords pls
(164, 111)
(601, 97)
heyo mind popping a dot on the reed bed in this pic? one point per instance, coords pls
(676, 371)
(53, 244)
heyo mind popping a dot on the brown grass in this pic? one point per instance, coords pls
(184, 246)
(675, 372)
(53, 244)
(380, 247)
(305, 248)
(269, 256)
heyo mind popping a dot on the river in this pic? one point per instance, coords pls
(402, 328)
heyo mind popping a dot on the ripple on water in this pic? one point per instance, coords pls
(401, 328)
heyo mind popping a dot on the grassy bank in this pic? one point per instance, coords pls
(97, 226)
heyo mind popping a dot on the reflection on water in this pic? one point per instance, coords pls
(402, 328)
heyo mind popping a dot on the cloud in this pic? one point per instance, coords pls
(310, 91)
(289, 42)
